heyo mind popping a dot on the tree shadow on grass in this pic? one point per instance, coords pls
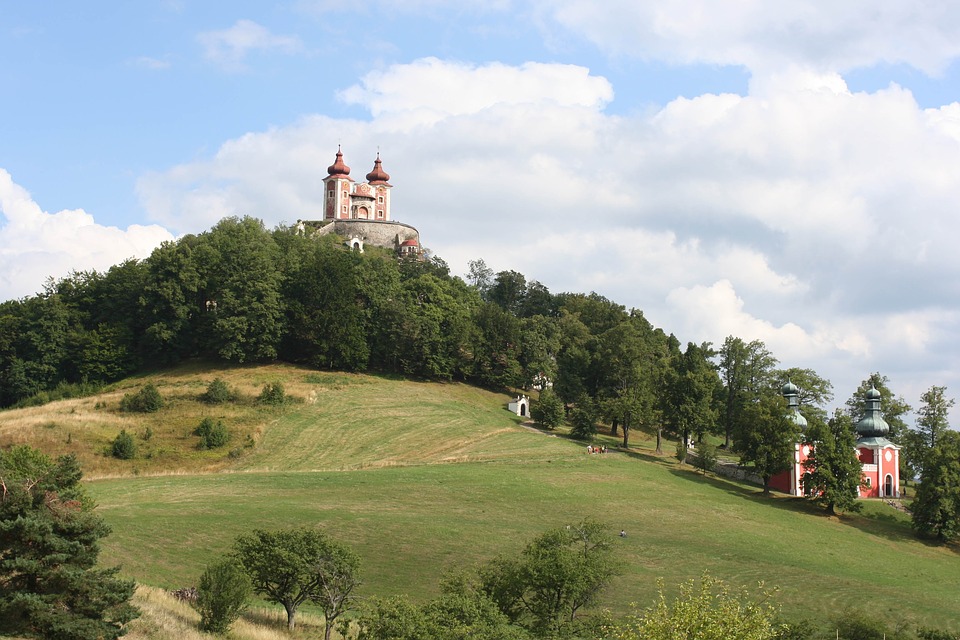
(882, 525)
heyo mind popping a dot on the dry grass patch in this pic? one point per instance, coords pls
(163, 617)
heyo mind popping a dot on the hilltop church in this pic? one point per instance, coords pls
(360, 211)
(879, 458)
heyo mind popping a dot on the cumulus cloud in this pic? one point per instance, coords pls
(36, 245)
(763, 36)
(229, 47)
(814, 218)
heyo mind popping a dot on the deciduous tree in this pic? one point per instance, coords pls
(766, 437)
(833, 469)
(936, 505)
(294, 566)
(556, 575)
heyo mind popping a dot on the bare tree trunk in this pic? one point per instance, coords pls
(291, 617)
(613, 427)
(660, 440)
(626, 435)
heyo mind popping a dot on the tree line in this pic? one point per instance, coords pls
(242, 293)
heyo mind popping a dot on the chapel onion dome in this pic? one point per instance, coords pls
(378, 175)
(791, 392)
(338, 168)
(872, 424)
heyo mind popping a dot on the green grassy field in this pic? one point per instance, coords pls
(421, 478)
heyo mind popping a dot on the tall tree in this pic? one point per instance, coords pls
(480, 276)
(692, 387)
(765, 436)
(933, 416)
(240, 266)
(509, 289)
(834, 472)
(496, 349)
(746, 369)
(936, 505)
(50, 586)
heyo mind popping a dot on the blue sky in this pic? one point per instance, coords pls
(783, 172)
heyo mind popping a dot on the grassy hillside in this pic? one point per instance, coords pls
(421, 478)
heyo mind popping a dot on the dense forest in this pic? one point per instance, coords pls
(242, 293)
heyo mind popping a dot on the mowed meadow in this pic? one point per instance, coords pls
(425, 478)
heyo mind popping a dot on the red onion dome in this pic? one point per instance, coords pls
(338, 168)
(378, 175)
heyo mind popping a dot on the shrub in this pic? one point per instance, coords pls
(218, 392)
(147, 400)
(273, 394)
(584, 419)
(548, 412)
(705, 457)
(123, 446)
(222, 596)
(212, 434)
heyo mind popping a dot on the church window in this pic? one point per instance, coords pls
(330, 193)
(380, 199)
(344, 209)
(868, 482)
(344, 194)
(379, 213)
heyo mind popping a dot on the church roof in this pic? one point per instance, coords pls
(378, 175)
(339, 168)
(872, 423)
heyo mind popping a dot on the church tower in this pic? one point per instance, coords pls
(792, 480)
(880, 457)
(337, 185)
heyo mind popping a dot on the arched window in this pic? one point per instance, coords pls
(888, 485)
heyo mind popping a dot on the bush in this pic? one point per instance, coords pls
(584, 419)
(273, 394)
(212, 434)
(222, 596)
(705, 457)
(548, 412)
(218, 392)
(147, 400)
(123, 446)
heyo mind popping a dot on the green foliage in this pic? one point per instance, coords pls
(146, 400)
(62, 391)
(294, 566)
(857, 624)
(933, 417)
(833, 470)
(548, 410)
(709, 610)
(272, 393)
(212, 434)
(705, 457)
(584, 418)
(560, 572)
(746, 369)
(218, 392)
(766, 437)
(936, 504)
(222, 595)
(123, 446)
(49, 584)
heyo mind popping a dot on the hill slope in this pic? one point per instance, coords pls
(421, 478)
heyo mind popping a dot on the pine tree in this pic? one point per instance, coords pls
(834, 471)
(50, 586)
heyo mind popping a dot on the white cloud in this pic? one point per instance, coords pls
(35, 245)
(229, 47)
(765, 36)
